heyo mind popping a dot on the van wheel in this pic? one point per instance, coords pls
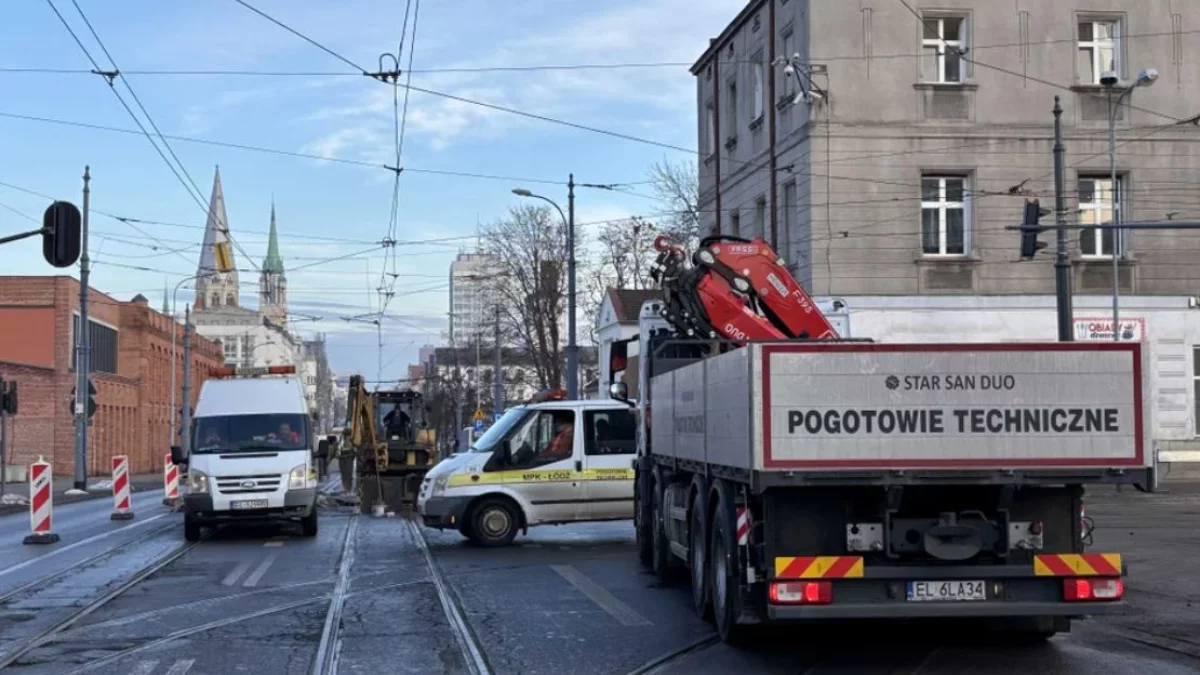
(308, 524)
(699, 560)
(724, 578)
(661, 553)
(494, 522)
(191, 529)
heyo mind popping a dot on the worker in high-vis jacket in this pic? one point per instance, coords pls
(345, 457)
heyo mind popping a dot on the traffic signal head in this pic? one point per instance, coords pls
(1031, 230)
(8, 397)
(61, 227)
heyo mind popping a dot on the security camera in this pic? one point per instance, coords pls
(1109, 78)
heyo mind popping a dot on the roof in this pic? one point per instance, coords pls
(139, 298)
(627, 302)
(216, 230)
(716, 43)
(251, 396)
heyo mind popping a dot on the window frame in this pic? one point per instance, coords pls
(941, 44)
(731, 98)
(1115, 43)
(760, 216)
(589, 431)
(1196, 390)
(712, 137)
(758, 89)
(536, 460)
(1116, 215)
(943, 205)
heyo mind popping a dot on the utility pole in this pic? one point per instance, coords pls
(186, 420)
(82, 351)
(572, 348)
(1062, 263)
(497, 375)
(478, 372)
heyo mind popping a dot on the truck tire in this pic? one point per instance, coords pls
(191, 529)
(643, 520)
(494, 522)
(661, 553)
(698, 559)
(308, 524)
(723, 563)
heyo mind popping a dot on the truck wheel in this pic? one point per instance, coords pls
(643, 523)
(698, 541)
(724, 574)
(191, 529)
(661, 554)
(494, 522)
(308, 524)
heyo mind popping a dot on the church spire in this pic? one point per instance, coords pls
(215, 288)
(274, 262)
(272, 282)
(166, 300)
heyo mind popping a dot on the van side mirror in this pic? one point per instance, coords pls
(323, 448)
(177, 456)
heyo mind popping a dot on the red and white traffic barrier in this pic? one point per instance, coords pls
(41, 503)
(170, 481)
(122, 506)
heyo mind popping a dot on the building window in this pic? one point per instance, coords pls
(785, 234)
(731, 109)
(1099, 49)
(760, 218)
(1196, 390)
(789, 51)
(943, 215)
(735, 224)
(1095, 208)
(756, 105)
(102, 346)
(215, 301)
(941, 45)
(710, 130)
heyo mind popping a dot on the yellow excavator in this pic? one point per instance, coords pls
(389, 435)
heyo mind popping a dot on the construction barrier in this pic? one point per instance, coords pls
(122, 507)
(170, 481)
(41, 503)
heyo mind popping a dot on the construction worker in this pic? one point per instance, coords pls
(345, 457)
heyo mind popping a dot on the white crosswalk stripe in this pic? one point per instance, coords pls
(144, 667)
(181, 667)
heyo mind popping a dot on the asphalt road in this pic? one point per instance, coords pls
(363, 597)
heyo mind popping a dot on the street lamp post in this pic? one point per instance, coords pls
(572, 347)
(1110, 80)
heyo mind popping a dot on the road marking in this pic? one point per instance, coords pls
(143, 668)
(273, 544)
(618, 610)
(258, 573)
(325, 660)
(476, 662)
(231, 578)
(83, 542)
(181, 667)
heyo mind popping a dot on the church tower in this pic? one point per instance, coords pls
(214, 288)
(272, 284)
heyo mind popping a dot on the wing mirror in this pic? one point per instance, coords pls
(618, 391)
(177, 456)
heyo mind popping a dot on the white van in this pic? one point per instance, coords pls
(252, 452)
(541, 463)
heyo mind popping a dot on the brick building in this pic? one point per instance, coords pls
(130, 365)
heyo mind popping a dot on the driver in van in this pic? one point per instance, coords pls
(286, 434)
(562, 445)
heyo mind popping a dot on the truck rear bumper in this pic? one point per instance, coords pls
(941, 610)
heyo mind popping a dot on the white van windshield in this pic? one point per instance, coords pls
(490, 438)
(235, 433)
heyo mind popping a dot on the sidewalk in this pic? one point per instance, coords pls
(16, 495)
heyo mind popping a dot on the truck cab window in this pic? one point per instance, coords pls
(544, 438)
(610, 432)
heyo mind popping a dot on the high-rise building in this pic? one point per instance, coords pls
(469, 275)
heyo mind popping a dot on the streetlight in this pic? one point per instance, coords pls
(1110, 79)
(572, 348)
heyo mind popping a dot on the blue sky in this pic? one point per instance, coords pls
(337, 116)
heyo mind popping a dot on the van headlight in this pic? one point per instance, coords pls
(302, 477)
(439, 485)
(197, 482)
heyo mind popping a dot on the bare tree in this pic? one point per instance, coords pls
(676, 185)
(625, 253)
(529, 250)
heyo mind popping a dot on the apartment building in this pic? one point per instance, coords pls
(469, 319)
(891, 159)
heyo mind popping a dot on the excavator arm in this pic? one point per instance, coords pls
(736, 289)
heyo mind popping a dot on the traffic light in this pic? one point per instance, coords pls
(1031, 230)
(8, 397)
(61, 227)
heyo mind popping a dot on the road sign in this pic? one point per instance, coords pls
(478, 425)
(496, 416)
(479, 416)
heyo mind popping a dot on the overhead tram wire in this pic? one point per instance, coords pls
(399, 124)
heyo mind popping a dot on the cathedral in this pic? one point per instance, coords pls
(256, 336)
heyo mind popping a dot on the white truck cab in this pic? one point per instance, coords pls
(252, 451)
(554, 461)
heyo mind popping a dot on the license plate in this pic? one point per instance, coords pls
(248, 504)
(945, 591)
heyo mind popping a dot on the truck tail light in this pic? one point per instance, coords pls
(801, 593)
(1085, 590)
